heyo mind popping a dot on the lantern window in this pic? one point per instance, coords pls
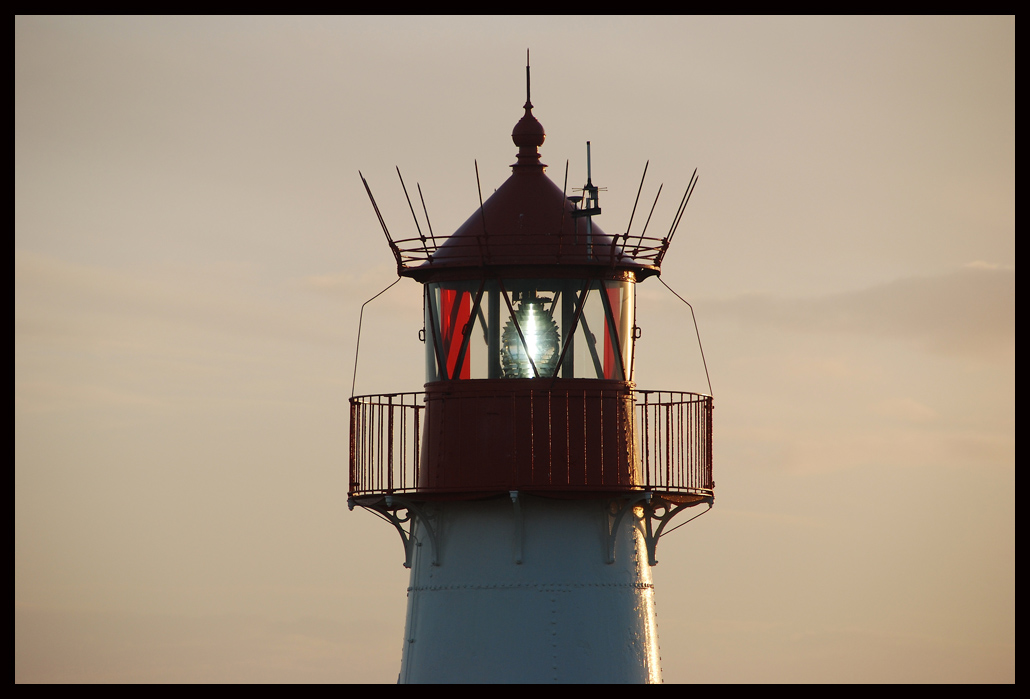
(529, 328)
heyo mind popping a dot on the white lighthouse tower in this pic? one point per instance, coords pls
(530, 479)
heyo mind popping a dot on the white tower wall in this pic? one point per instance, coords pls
(523, 592)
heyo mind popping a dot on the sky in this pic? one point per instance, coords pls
(193, 245)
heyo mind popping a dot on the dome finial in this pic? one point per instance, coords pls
(529, 105)
(528, 134)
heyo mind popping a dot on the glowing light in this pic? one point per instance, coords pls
(541, 335)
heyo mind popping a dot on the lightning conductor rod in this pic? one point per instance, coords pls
(479, 188)
(482, 216)
(652, 209)
(425, 210)
(419, 229)
(375, 207)
(527, 76)
(564, 200)
(690, 190)
(587, 190)
(679, 209)
(637, 200)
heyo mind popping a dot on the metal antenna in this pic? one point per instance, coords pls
(590, 206)
(590, 199)
(588, 163)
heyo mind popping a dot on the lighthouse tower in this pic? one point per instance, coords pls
(530, 479)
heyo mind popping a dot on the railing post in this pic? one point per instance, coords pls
(647, 444)
(669, 441)
(708, 455)
(418, 444)
(389, 443)
(352, 475)
(404, 442)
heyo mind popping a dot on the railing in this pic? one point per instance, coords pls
(670, 449)
(385, 442)
(412, 252)
(674, 432)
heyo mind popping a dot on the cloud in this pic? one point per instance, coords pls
(355, 289)
(348, 283)
(905, 409)
(970, 311)
(801, 450)
(64, 646)
(89, 337)
(980, 264)
(97, 305)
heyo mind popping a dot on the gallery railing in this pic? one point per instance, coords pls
(670, 446)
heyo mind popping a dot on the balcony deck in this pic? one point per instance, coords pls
(661, 441)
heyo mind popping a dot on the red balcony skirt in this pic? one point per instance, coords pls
(497, 435)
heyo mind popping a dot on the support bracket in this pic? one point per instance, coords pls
(389, 509)
(617, 510)
(655, 510)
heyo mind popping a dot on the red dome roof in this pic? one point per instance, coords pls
(528, 221)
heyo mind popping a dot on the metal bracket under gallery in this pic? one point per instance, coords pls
(649, 512)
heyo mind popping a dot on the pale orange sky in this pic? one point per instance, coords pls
(193, 245)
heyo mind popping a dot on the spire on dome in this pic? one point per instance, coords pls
(528, 104)
(528, 133)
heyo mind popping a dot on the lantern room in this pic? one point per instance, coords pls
(529, 332)
(528, 328)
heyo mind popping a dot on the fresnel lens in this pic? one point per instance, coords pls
(541, 335)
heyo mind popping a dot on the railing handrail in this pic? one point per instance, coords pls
(646, 391)
(640, 249)
(671, 448)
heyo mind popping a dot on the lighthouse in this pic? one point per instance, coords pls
(530, 479)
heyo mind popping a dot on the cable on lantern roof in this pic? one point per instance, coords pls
(695, 330)
(357, 347)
